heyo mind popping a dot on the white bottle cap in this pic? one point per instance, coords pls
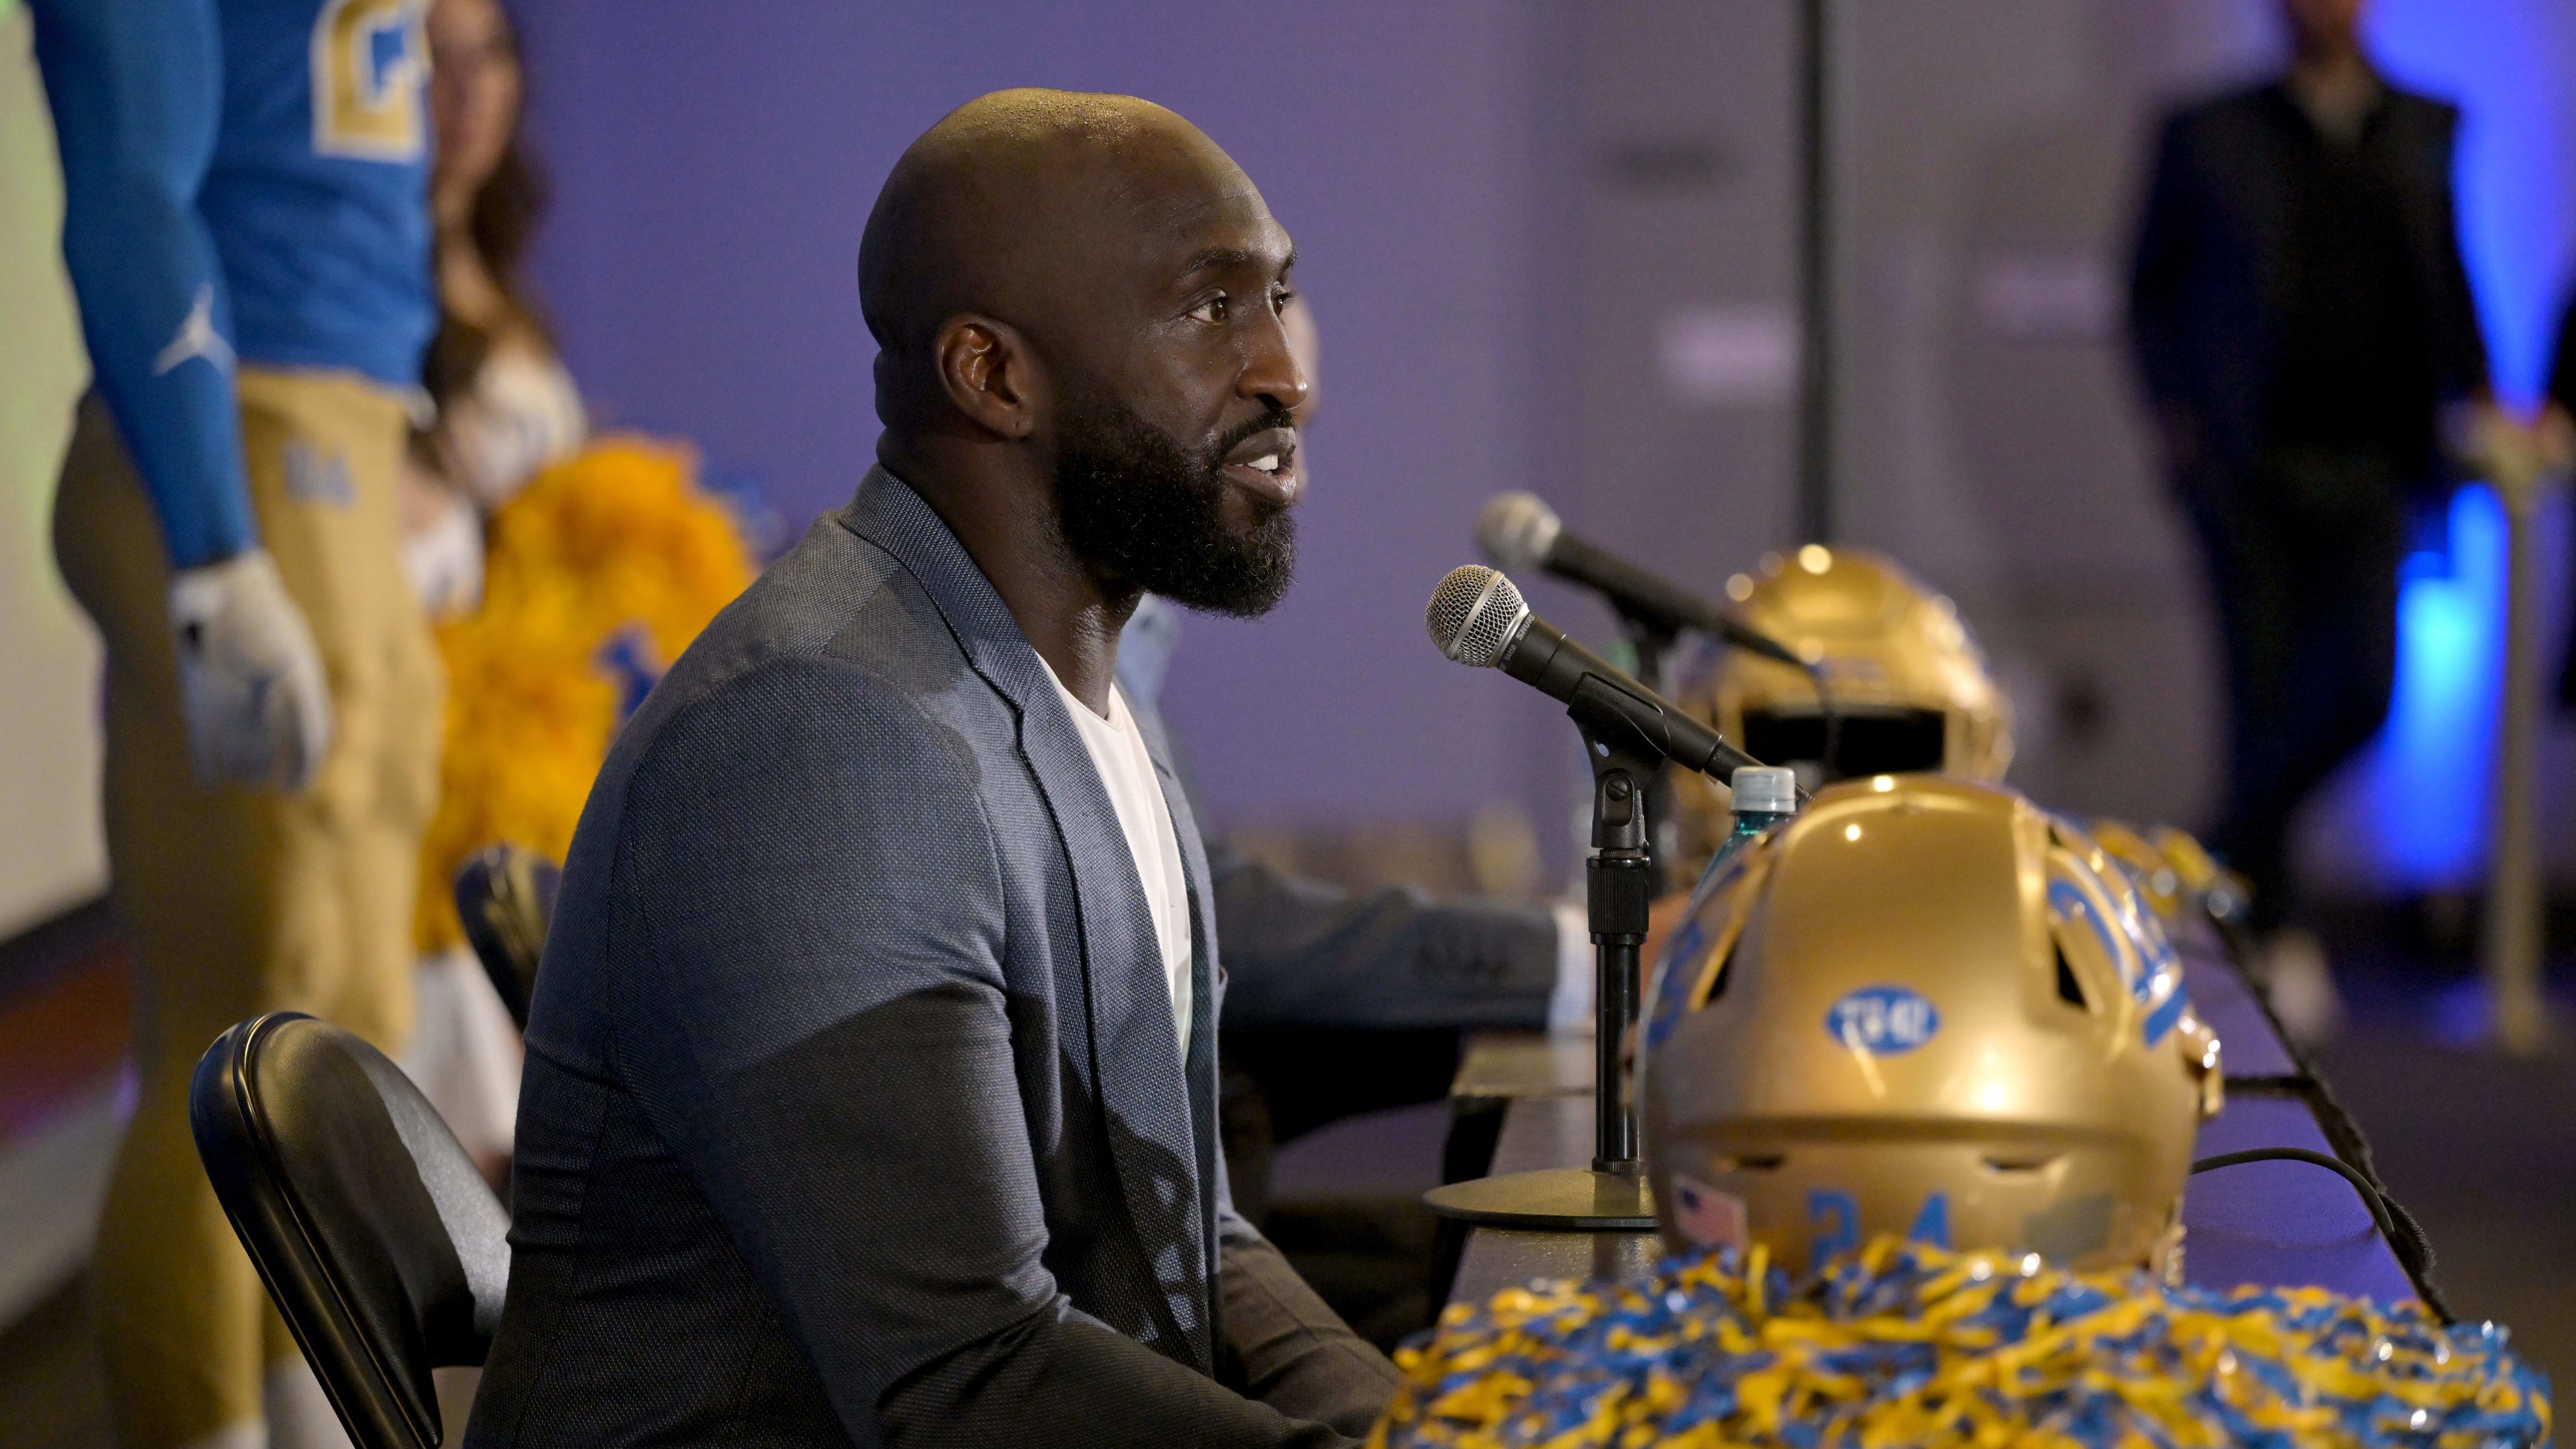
(1769, 789)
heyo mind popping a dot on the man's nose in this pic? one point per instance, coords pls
(1271, 370)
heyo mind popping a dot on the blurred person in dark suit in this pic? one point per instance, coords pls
(2302, 318)
(2561, 401)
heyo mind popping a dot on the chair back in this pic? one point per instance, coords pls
(506, 898)
(381, 1244)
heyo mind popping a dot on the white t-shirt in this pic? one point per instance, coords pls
(1127, 772)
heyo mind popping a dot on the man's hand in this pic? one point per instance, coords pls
(442, 541)
(2519, 458)
(2555, 436)
(250, 679)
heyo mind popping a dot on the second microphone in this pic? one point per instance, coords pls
(1477, 617)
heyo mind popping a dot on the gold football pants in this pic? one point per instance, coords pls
(238, 901)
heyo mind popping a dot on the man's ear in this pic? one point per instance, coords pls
(991, 374)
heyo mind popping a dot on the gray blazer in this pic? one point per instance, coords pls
(854, 1111)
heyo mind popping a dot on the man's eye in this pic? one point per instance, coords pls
(1280, 299)
(1213, 310)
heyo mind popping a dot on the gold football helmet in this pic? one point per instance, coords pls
(1924, 1007)
(1908, 681)
(2173, 870)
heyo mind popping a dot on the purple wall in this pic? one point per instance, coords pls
(715, 163)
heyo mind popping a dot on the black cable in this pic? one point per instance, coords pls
(2413, 1249)
(2370, 1194)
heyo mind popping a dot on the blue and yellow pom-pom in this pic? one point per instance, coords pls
(1905, 1344)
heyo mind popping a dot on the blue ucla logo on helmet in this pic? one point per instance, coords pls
(1882, 1020)
(2130, 936)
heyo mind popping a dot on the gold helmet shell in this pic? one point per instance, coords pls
(1924, 1007)
(1907, 677)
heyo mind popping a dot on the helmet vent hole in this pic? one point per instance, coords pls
(1717, 983)
(1757, 1162)
(2018, 1166)
(2070, 990)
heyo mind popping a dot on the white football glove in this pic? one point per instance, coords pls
(250, 679)
(444, 557)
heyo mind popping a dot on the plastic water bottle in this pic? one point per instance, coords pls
(1765, 795)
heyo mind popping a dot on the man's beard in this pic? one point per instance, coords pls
(1139, 509)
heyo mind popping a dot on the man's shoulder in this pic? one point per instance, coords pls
(2267, 103)
(837, 624)
(829, 714)
(2422, 114)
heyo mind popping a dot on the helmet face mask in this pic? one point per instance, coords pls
(1924, 1008)
(1868, 740)
(1911, 686)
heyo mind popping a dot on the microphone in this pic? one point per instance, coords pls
(1477, 618)
(1519, 531)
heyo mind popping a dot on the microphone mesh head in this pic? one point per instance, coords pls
(1475, 614)
(1517, 529)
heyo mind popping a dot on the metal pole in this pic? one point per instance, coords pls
(1618, 882)
(1614, 1111)
(1815, 276)
(2513, 924)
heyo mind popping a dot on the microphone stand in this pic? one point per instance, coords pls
(1619, 885)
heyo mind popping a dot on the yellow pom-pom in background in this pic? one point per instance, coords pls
(615, 539)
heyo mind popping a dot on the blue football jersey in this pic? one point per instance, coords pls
(318, 191)
(242, 180)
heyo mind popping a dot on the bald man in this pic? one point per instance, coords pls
(872, 1067)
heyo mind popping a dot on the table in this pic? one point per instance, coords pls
(1522, 1100)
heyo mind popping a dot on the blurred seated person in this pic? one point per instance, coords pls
(2301, 319)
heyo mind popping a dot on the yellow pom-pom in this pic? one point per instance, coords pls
(616, 538)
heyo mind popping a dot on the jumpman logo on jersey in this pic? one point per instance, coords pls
(197, 338)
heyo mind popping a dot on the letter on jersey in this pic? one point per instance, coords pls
(369, 60)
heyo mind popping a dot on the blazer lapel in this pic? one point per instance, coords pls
(1135, 1052)
(1207, 975)
(1135, 1048)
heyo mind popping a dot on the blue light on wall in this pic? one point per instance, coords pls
(2427, 772)
(2426, 779)
(2506, 64)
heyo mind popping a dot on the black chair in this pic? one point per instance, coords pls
(381, 1245)
(506, 897)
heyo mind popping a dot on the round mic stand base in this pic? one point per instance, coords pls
(1553, 1199)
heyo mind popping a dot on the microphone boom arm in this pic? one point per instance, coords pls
(1610, 715)
(1600, 698)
